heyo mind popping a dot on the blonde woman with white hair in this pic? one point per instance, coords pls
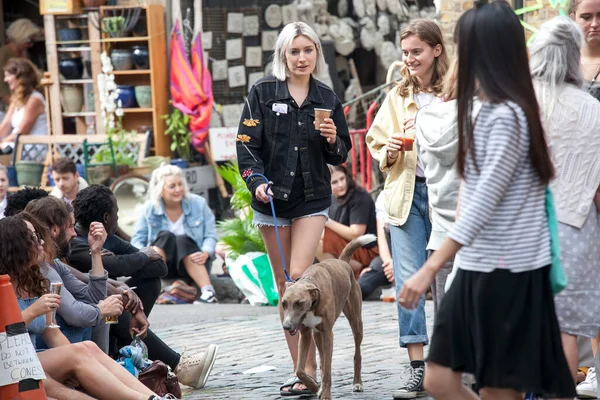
(180, 226)
(278, 137)
(571, 119)
(20, 35)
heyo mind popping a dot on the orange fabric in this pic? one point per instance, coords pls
(334, 244)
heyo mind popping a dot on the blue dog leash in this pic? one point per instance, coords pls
(269, 184)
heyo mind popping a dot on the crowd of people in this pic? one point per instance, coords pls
(492, 195)
(479, 153)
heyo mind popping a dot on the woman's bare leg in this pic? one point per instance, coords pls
(569, 343)
(56, 390)
(444, 384)
(75, 360)
(197, 272)
(306, 234)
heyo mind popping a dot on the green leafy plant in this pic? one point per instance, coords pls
(120, 139)
(113, 26)
(238, 234)
(177, 129)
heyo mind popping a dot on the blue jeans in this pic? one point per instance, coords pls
(74, 334)
(409, 243)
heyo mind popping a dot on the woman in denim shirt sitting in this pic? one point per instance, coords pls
(180, 226)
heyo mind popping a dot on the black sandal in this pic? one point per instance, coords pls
(290, 383)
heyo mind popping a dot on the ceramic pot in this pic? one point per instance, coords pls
(140, 57)
(71, 68)
(179, 162)
(122, 59)
(126, 94)
(29, 173)
(71, 98)
(143, 96)
(69, 34)
(93, 3)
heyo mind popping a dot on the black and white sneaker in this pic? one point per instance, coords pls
(207, 296)
(414, 386)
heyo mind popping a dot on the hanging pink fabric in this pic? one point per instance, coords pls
(191, 86)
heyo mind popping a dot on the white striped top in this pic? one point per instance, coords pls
(502, 220)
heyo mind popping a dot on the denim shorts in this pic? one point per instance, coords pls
(261, 219)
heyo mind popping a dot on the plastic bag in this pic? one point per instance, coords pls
(252, 274)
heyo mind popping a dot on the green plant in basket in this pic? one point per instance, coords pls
(238, 234)
(181, 137)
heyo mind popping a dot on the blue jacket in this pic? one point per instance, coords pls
(199, 224)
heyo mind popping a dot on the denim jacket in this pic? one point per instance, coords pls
(199, 224)
(282, 132)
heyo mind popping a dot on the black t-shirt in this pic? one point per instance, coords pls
(359, 210)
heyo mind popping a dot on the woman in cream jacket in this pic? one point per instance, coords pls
(425, 64)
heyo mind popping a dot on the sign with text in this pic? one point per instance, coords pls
(199, 179)
(18, 360)
(222, 143)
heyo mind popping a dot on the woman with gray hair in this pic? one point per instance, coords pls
(20, 35)
(571, 118)
(180, 226)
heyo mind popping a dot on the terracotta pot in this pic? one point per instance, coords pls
(71, 98)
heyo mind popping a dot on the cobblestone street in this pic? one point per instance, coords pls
(250, 337)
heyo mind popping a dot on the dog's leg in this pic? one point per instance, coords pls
(324, 342)
(353, 312)
(306, 338)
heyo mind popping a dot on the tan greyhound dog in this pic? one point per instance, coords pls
(314, 302)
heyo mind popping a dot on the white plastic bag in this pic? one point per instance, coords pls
(252, 274)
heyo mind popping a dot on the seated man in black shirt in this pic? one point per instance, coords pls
(144, 268)
(352, 214)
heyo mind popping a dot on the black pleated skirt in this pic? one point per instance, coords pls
(502, 328)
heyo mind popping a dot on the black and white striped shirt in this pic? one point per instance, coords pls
(502, 220)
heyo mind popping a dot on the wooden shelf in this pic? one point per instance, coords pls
(73, 49)
(76, 81)
(79, 114)
(138, 110)
(126, 39)
(132, 72)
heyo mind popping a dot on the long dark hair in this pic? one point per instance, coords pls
(492, 54)
(18, 256)
(351, 186)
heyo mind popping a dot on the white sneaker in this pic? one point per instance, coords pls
(194, 370)
(588, 388)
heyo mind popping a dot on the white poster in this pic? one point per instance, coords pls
(254, 56)
(233, 49)
(219, 70)
(207, 38)
(18, 360)
(237, 76)
(235, 22)
(222, 143)
(268, 40)
(251, 25)
(253, 77)
(232, 113)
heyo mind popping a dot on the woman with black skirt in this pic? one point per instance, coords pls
(497, 320)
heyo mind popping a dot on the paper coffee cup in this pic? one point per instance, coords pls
(320, 115)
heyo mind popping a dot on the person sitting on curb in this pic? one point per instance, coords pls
(180, 226)
(380, 272)
(81, 364)
(66, 180)
(97, 203)
(83, 306)
(352, 214)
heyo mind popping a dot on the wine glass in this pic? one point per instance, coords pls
(55, 288)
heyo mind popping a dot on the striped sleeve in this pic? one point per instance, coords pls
(498, 142)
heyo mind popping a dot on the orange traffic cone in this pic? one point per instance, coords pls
(20, 369)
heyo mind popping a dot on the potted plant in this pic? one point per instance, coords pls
(112, 113)
(113, 26)
(181, 137)
(238, 234)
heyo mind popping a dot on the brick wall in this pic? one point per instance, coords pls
(451, 10)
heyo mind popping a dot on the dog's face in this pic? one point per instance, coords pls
(299, 299)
